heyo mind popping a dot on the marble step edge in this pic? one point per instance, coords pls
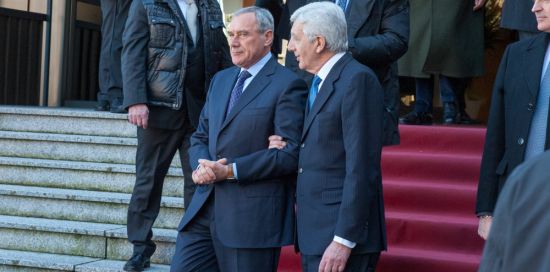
(80, 195)
(67, 138)
(78, 165)
(63, 112)
(78, 227)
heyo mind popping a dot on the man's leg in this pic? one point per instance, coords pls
(244, 259)
(194, 247)
(108, 11)
(156, 149)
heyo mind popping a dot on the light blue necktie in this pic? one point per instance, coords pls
(342, 4)
(537, 132)
(313, 91)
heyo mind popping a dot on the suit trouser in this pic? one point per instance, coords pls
(452, 91)
(114, 15)
(155, 151)
(198, 248)
(356, 263)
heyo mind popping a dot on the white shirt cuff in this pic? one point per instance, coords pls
(235, 171)
(344, 242)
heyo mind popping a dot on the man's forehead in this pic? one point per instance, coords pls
(243, 22)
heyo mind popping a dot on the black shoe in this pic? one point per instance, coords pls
(416, 118)
(102, 106)
(116, 106)
(138, 262)
(450, 115)
(465, 119)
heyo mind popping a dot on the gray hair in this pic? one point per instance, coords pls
(324, 19)
(264, 19)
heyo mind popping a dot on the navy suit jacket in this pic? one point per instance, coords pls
(257, 211)
(339, 190)
(515, 95)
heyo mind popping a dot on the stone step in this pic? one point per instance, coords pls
(104, 149)
(14, 260)
(76, 238)
(80, 205)
(65, 121)
(80, 175)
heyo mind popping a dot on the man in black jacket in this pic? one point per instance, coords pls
(171, 51)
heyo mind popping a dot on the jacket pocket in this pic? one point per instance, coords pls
(162, 33)
(332, 196)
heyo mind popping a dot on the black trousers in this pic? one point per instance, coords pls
(114, 15)
(155, 151)
(199, 249)
(356, 263)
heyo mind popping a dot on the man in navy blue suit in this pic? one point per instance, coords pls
(340, 213)
(243, 209)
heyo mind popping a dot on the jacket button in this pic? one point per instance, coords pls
(303, 145)
(300, 170)
(521, 141)
(530, 107)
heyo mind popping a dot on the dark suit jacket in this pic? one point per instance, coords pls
(518, 240)
(339, 189)
(257, 211)
(517, 15)
(515, 95)
(378, 35)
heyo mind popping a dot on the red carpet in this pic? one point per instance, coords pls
(430, 183)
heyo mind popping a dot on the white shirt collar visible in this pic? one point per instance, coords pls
(255, 69)
(325, 69)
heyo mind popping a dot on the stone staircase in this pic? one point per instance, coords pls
(66, 176)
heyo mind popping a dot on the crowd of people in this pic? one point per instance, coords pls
(276, 155)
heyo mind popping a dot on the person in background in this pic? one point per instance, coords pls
(517, 16)
(172, 48)
(520, 231)
(447, 41)
(114, 14)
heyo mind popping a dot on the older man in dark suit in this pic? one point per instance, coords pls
(378, 35)
(243, 211)
(518, 121)
(340, 212)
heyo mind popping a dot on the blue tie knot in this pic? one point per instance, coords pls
(313, 90)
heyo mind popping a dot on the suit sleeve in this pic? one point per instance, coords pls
(198, 148)
(134, 56)
(392, 40)
(288, 123)
(362, 111)
(493, 151)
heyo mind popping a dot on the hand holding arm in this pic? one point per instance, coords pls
(276, 141)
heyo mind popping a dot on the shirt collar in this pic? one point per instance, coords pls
(325, 69)
(256, 67)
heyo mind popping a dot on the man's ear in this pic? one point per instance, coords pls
(268, 38)
(320, 44)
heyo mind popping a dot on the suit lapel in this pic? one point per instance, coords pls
(325, 92)
(357, 13)
(532, 64)
(258, 84)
